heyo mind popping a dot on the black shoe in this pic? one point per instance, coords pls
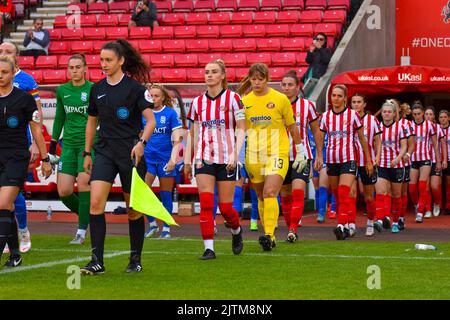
(120, 210)
(13, 261)
(208, 255)
(134, 265)
(237, 244)
(401, 224)
(339, 233)
(267, 243)
(346, 233)
(386, 223)
(92, 268)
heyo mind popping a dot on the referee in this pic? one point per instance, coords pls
(117, 104)
(17, 110)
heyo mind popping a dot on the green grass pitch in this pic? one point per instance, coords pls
(304, 270)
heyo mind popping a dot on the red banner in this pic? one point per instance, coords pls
(423, 28)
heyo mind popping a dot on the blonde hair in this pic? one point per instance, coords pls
(9, 60)
(390, 104)
(167, 100)
(222, 67)
(260, 68)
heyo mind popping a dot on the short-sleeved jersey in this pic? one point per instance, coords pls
(304, 113)
(26, 82)
(371, 129)
(267, 118)
(71, 113)
(407, 124)
(118, 107)
(446, 132)
(424, 131)
(16, 111)
(341, 129)
(439, 136)
(159, 146)
(216, 119)
(391, 137)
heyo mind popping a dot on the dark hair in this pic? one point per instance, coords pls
(133, 66)
(260, 68)
(417, 105)
(444, 111)
(79, 56)
(360, 95)
(325, 43)
(292, 74)
(342, 87)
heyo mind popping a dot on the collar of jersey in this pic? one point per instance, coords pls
(115, 84)
(419, 124)
(210, 98)
(159, 110)
(295, 101)
(337, 113)
(8, 93)
(393, 122)
(18, 70)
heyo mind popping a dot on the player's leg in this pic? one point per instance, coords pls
(322, 195)
(413, 184)
(272, 187)
(298, 205)
(286, 202)
(369, 191)
(401, 222)
(8, 224)
(166, 183)
(238, 199)
(254, 213)
(352, 216)
(84, 195)
(20, 211)
(424, 191)
(150, 177)
(381, 187)
(436, 189)
(206, 184)
(344, 203)
(396, 192)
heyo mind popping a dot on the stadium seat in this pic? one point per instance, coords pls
(184, 32)
(242, 18)
(205, 58)
(25, 62)
(147, 59)
(156, 75)
(113, 33)
(240, 74)
(293, 5)
(197, 45)
(186, 60)
(46, 62)
(63, 61)
(293, 44)
(221, 45)
(98, 7)
(60, 21)
(300, 57)
(92, 61)
(281, 59)
(204, 6)
(231, 74)
(254, 30)
(119, 7)
(108, 20)
(219, 18)
(72, 34)
(226, 5)
(150, 46)
(277, 30)
(162, 32)
(231, 31)
(288, 17)
(276, 74)
(135, 43)
(248, 5)
(337, 16)
(81, 46)
(301, 30)
(95, 75)
(183, 6)
(98, 45)
(36, 74)
(162, 60)
(54, 76)
(163, 6)
(124, 19)
(196, 75)
(196, 18)
(77, 8)
(315, 4)
(55, 34)
(58, 47)
(311, 16)
(88, 20)
(270, 5)
(140, 33)
(269, 44)
(174, 75)
(176, 46)
(265, 17)
(208, 31)
(244, 45)
(262, 57)
(173, 19)
(338, 4)
(235, 59)
(94, 33)
(330, 29)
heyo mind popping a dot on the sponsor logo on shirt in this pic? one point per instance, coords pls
(72, 109)
(123, 113)
(161, 130)
(12, 122)
(84, 96)
(163, 119)
(270, 105)
(339, 133)
(212, 123)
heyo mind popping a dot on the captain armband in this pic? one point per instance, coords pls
(239, 114)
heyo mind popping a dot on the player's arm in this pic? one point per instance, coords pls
(319, 150)
(177, 139)
(36, 131)
(403, 149)
(138, 150)
(91, 129)
(444, 153)
(189, 149)
(377, 144)
(363, 141)
(411, 145)
(58, 124)
(436, 152)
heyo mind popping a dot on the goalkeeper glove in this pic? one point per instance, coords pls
(300, 160)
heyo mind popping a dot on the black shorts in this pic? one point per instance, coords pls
(419, 164)
(447, 171)
(395, 175)
(112, 157)
(219, 171)
(14, 167)
(336, 169)
(407, 177)
(293, 174)
(365, 179)
(434, 172)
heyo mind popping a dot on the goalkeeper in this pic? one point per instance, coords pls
(268, 113)
(72, 100)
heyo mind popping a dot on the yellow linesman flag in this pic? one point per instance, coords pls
(142, 199)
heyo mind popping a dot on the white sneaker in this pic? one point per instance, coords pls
(6, 249)
(369, 231)
(151, 231)
(352, 229)
(419, 217)
(428, 215)
(436, 210)
(25, 241)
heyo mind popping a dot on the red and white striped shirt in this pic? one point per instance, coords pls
(304, 113)
(371, 129)
(391, 137)
(409, 132)
(341, 128)
(439, 136)
(446, 132)
(216, 119)
(424, 132)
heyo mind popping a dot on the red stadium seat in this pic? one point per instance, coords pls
(140, 33)
(242, 18)
(72, 34)
(162, 60)
(135, 43)
(276, 74)
(293, 44)
(316, 5)
(240, 73)
(113, 33)
(150, 46)
(221, 45)
(98, 7)
(219, 18)
(330, 29)
(95, 75)
(108, 20)
(147, 59)
(184, 32)
(265, 17)
(162, 32)
(25, 62)
(61, 21)
(77, 8)
(88, 20)
(177, 45)
(258, 30)
(196, 18)
(244, 45)
(54, 76)
(337, 16)
(281, 59)
(204, 6)
(99, 44)
(205, 58)
(231, 74)
(183, 6)
(174, 75)
(47, 62)
(208, 31)
(301, 30)
(293, 5)
(235, 59)
(186, 60)
(119, 7)
(36, 74)
(248, 5)
(58, 47)
(163, 6)
(196, 75)
(156, 75)
(311, 16)
(55, 34)
(262, 57)
(63, 61)
(94, 33)
(226, 5)
(288, 17)
(81, 46)
(92, 61)
(338, 4)
(173, 19)
(124, 19)
(197, 45)
(300, 57)
(231, 31)
(270, 5)
(277, 30)
(270, 44)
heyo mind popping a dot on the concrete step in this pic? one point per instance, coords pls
(24, 29)
(47, 23)
(18, 42)
(59, 10)
(17, 35)
(61, 4)
(36, 15)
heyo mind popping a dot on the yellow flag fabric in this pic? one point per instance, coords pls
(142, 199)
